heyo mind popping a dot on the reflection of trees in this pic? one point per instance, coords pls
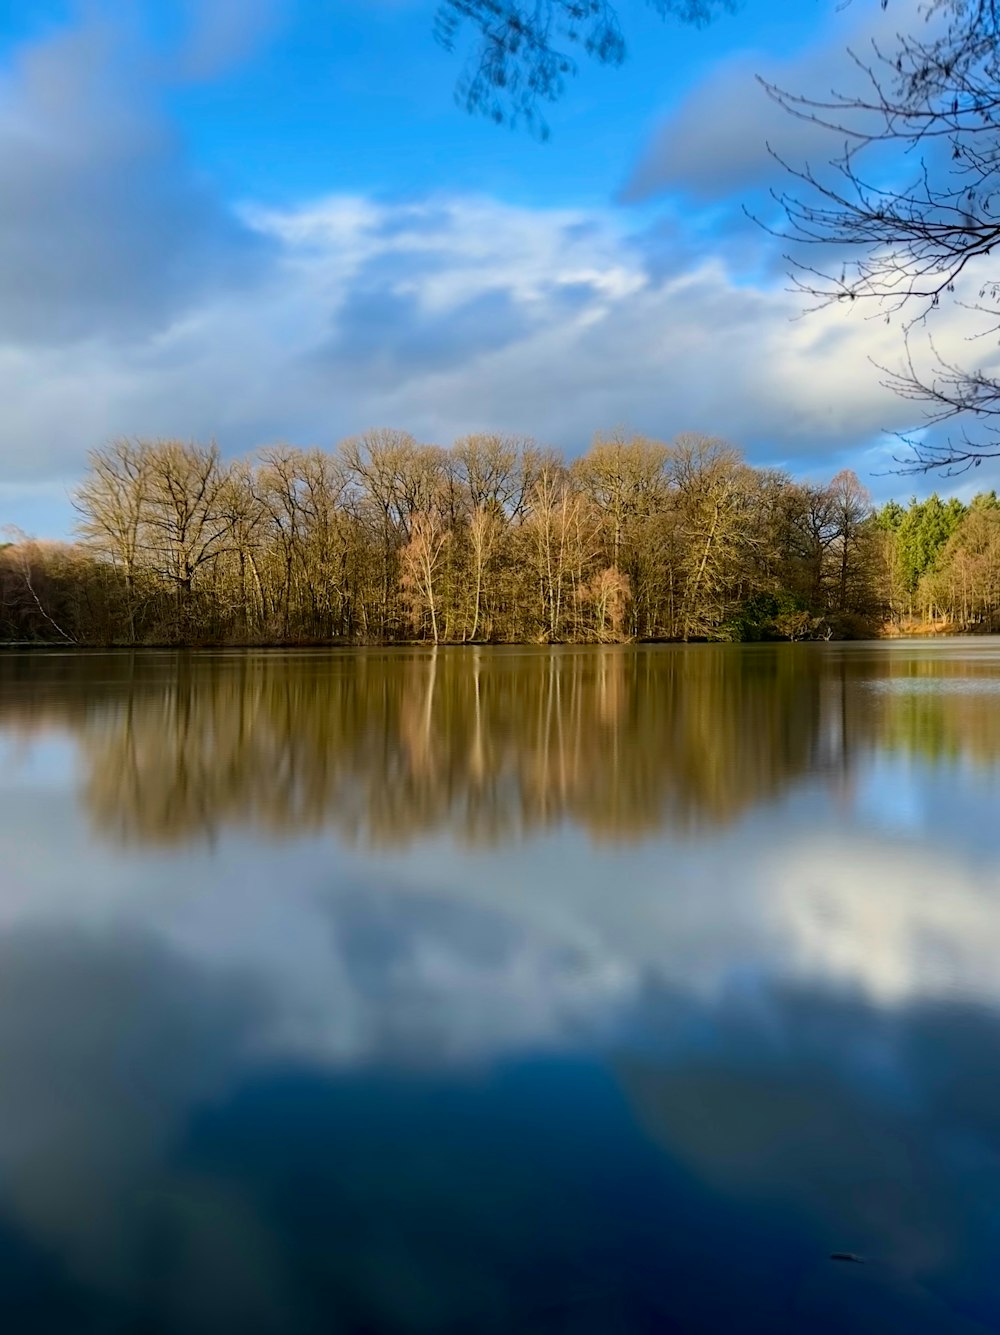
(944, 711)
(383, 746)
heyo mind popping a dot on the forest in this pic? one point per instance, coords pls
(493, 540)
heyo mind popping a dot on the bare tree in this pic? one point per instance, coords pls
(495, 472)
(910, 206)
(394, 478)
(607, 595)
(421, 564)
(558, 531)
(278, 490)
(490, 540)
(188, 524)
(712, 487)
(111, 502)
(484, 538)
(851, 507)
(624, 479)
(25, 558)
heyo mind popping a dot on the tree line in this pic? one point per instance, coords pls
(942, 562)
(495, 539)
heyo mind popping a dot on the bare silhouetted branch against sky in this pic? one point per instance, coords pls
(905, 215)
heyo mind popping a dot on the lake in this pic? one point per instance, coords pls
(501, 990)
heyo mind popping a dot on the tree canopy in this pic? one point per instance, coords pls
(492, 539)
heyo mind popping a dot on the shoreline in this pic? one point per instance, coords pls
(323, 646)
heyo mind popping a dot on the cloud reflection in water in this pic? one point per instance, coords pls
(372, 994)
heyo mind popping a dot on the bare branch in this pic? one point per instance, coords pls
(910, 204)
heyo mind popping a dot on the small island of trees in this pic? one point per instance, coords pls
(495, 539)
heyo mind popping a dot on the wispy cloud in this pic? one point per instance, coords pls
(455, 315)
(106, 231)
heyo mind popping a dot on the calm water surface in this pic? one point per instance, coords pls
(503, 991)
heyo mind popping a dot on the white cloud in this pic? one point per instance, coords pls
(790, 933)
(714, 144)
(481, 954)
(106, 231)
(459, 314)
(133, 300)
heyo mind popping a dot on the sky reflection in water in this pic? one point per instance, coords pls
(582, 990)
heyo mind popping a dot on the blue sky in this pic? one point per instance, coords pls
(254, 220)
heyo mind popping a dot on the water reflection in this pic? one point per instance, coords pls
(582, 991)
(695, 1179)
(490, 746)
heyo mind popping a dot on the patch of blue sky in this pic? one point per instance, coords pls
(214, 233)
(361, 97)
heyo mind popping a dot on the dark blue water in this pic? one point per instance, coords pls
(570, 991)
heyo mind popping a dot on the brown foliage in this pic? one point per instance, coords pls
(386, 539)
